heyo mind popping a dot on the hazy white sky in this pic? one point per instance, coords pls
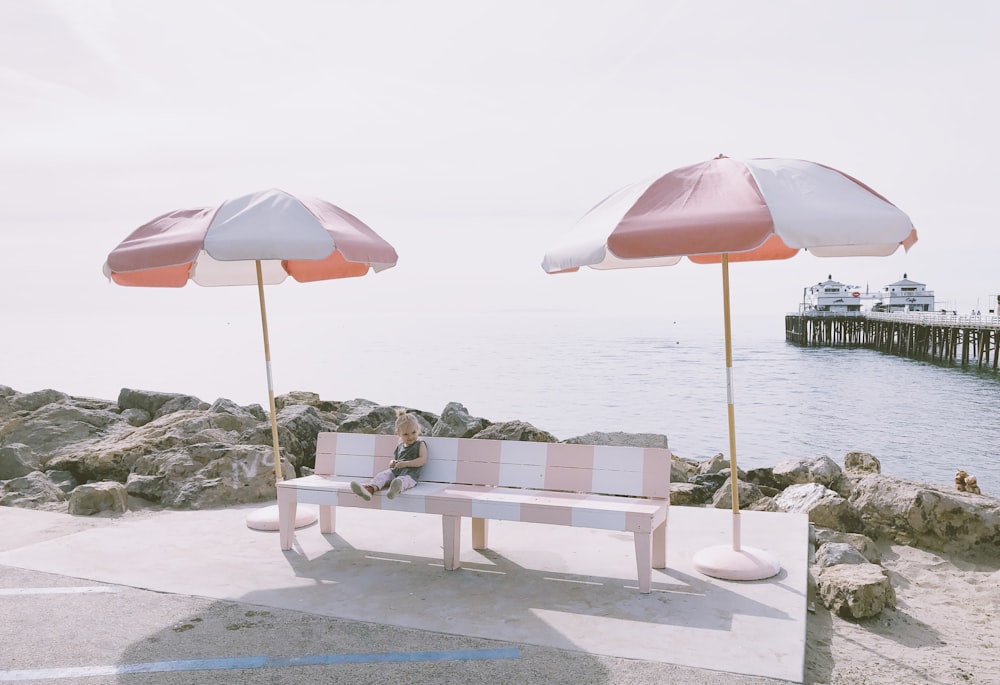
(470, 135)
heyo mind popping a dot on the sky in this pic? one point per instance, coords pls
(469, 134)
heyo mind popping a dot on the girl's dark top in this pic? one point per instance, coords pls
(404, 453)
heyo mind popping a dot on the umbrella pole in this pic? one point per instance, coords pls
(733, 562)
(270, 383)
(731, 404)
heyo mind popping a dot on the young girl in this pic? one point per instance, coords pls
(404, 469)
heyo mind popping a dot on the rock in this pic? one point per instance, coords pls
(33, 401)
(16, 460)
(833, 553)
(455, 422)
(621, 439)
(136, 417)
(824, 506)
(712, 481)
(680, 470)
(818, 469)
(855, 590)
(748, 494)
(515, 430)
(689, 494)
(33, 491)
(765, 503)
(63, 480)
(764, 477)
(206, 475)
(157, 404)
(95, 498)
(56, 427)
(372, 419)
(714, 465)
(861, 464)
(298, 426)
(926, 516)
(864, 544)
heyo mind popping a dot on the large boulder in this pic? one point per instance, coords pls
(747, 492)
(206, 475)
(456, 422)
(33, 491)
(17, 460)
(689, 494)
(824, 506)
(833, 553)
(928, 516)
(157, 404)
(855, 591)
(864, 544)
(367, 417)
(861, 464)
(60, 425)
(515, 430)
(817, 469)
(94, 498)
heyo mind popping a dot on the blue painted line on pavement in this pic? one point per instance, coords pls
(257, 662)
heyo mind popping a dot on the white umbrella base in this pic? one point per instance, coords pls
(747, 563)
(267, 518)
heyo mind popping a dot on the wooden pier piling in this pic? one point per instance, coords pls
(942, 338)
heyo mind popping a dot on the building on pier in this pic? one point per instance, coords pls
(832, 297)
(905, 296)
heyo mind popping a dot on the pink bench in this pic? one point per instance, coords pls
(589, 486)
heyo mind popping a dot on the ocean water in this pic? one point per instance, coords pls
(572, 374)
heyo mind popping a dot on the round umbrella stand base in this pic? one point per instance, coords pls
(267, 518)
(747, 563)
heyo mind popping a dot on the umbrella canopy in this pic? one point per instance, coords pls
(256, 239)
(752, 210)
(726, 210)
(306, 238)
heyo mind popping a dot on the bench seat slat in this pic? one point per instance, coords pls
(506, 504)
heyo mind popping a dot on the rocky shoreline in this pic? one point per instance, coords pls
(88, 456)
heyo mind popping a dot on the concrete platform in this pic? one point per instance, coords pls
(550, 586)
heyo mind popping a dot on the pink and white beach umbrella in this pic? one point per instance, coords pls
(259, 239)
(727, 210)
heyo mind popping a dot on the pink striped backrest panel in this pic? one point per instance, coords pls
(633, 471)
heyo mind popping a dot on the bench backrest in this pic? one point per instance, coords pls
(633, 471)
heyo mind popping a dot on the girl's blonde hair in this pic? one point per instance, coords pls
(405, 420)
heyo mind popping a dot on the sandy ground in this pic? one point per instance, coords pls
(944, 629)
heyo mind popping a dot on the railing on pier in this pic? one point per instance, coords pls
(944, 338)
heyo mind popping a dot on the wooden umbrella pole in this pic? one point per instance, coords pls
(731, 404)
(270, 383)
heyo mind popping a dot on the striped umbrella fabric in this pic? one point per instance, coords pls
(726, 210)
(753, 210)
(302, 237)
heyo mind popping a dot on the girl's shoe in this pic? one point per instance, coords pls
(395, 487)
(361, 491)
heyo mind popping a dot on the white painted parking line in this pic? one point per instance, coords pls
(258, 662)
(82, 589)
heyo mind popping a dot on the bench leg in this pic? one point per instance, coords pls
(480, 534)
(644, 560)
(287, 504)
(327, 519)
(660, 546)
(452, 529)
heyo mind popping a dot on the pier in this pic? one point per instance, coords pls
(941, 338)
